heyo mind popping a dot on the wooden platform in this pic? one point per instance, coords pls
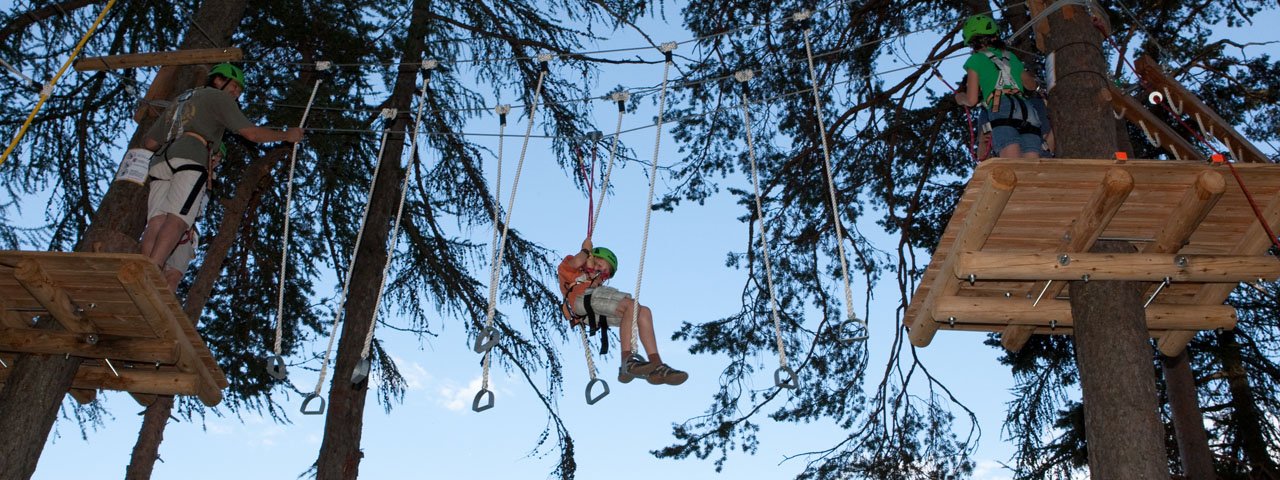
(1023, 226)
(113, 308)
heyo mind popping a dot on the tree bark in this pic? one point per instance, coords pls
(29, 404)
(1188, 421)
(1117, 378)
(340, 449)
(1247, 418)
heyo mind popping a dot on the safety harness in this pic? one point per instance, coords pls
(176, 130)
(1022, 116)
(596, 321)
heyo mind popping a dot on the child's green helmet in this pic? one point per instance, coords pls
(980, 24)
(608, 256)
(229, 71)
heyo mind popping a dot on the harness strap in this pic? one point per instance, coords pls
(597, 322)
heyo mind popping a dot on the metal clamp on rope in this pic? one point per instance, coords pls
(621, 97)
(544, 60)
(486, 339)
(595, 136)
(307, 401)
(482, 395)
(667, 48)
(785, 377)
(275, 367)
(604, 393)
(361, 372)
(502, 111)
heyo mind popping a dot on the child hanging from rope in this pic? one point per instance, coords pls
(588, 300)
(1004, 84)
(182, 141)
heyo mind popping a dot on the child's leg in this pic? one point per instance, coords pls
(647, 337)
(1011, 151)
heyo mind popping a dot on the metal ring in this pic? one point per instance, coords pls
(587, 392)
(482, 395)
(307, 401)
(785, 377)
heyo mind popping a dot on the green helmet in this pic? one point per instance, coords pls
(222, 148)
(978, 25)
(229, 71)
(608, 256)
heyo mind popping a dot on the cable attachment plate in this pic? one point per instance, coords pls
(785, 377)
(388, 113)
(323, 65)
(802, 15)
(430, 64)
(545, 57)
(481, 396)
(595, 136)
(603, 393)
(486, 339)
(312, 397)
(744, 75)
(276, 368)
(361, 372)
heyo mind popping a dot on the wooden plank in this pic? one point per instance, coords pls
(1019, 311)
(10, 318)
(1097, 213)
(1255, 241)
(83, 396)
(1150, 267)
(1182, 100)
(136, 380)
(140, 286)
(199, 56)
(48, 342)
(54, 299)
(1162, 135)
(981, 218)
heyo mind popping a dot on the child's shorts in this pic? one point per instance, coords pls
(185, 252)
(1002, 136)
(604, 300)
(177, 187)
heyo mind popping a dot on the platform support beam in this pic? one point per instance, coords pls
(54, 299)
(1083, 232)
(1254, 242)
(1057, 313)
(199, 56)
(1147, 267)
(996, 190)
(48, 342)
(139, 287)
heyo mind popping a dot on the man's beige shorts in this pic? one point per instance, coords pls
(604, 300)
(175, 192)
(185, 252)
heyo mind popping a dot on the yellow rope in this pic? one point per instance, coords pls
(48, 89)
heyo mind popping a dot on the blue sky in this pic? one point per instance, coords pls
(434, 433)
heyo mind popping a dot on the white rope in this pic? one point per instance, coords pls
(288, 206)
(764, 245)
(502, 112)
(620, 98)
(831, 183)
(511, 204)
(666, 48)
(586, 350)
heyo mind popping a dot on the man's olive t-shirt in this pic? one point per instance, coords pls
(207, 112)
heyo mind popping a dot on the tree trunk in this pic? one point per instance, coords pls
(1117, 378)
(147, 449)
(1247, 418)
(1188, 421)
(28, 410)
(340, 450)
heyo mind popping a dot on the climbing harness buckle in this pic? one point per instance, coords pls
(486, 339)
(276, 368)
(785, 377)
(311, 397)
(604, 392)
(484, 395)
(361, 372)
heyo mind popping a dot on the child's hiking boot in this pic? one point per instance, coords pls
(634, 367)
(664, 374)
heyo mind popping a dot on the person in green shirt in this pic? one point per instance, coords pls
(182, 140)
(999, 76)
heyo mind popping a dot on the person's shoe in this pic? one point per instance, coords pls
(634, 367)
(665, 374)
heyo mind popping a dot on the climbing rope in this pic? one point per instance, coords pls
(388, 115)
(481, 345)
(47, 90)
(275, 365)
(666, 49)
(784, 376)
(850, 317)
(968, 113)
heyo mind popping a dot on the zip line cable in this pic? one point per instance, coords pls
(275, 365)
(47, 90)
(784, 376)
(486, 347)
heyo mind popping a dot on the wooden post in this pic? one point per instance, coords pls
(1117, 377)
(200, 56)
(977, 226)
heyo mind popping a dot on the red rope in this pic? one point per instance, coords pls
(1257, 212)
(587, 174)
(973, 142)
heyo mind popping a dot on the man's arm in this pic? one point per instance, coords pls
(257, 134)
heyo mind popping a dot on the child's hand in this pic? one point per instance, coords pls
(586, 245)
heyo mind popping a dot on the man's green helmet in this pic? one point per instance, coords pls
(229, 71)
(222, 148)
(608, 256)
(978, 25)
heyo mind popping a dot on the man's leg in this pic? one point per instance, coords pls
(169, 231)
